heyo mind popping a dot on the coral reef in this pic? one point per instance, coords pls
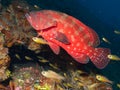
(4, 59)
(30, 78)
(14, 30)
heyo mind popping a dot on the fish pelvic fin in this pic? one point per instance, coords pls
(100, 57)
(55, 48)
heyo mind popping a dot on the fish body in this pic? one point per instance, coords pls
(28, 58)
(106, 40)
(53, 75)
(114, 57)
(77, 39)
(117, 32)
(103, 79)
(39, 40)
(118, 85)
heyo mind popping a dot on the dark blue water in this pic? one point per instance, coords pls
(101, 15)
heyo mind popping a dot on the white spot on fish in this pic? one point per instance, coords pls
(36, 26)
(72, 38)
(69, 32)
(74, 48)
(83, 50)
(68, 47)
(77, 54)
(61, 30)
(78, 44)
(66, 25)
(51, 34)
(72, 45)
(71, 52)
(79, 49)
(87, 53)
(95, 54)
(90, 50)
(51, 38)
(81, 39)
(85, 47)
(29, 17)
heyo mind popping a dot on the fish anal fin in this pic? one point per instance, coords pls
(81, 58)
(55, 48)
(61, 37)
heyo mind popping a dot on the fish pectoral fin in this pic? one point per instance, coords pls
(55, 48)
(61, 37)
(81, 58)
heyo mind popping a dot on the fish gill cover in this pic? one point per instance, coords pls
(27, 61)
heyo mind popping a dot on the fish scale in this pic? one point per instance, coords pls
(67, 32)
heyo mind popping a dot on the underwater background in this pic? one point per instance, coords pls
(101, 15)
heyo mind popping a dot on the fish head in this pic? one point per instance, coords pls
(39, 20)
(44, 73)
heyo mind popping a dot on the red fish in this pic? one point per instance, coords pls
(77, 39)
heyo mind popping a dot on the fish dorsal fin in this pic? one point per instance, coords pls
(94, 37)
(89, 35)
(40, 20)
(55, 48)
(61, 37)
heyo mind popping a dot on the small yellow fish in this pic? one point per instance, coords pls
(17, 56)
(37, 7)
(67, 85)
(103, 79)
(28, 58)
(117, 32)
(106, 40)
(81, 72)
(39, 40)
(51, 74)
(43, 60)
(39, 57)
(8, 73)
(118, 85)
(54, 66)
(113, 57)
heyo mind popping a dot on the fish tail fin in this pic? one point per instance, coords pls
(100, 57)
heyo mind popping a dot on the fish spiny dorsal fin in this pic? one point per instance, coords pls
(55, 48)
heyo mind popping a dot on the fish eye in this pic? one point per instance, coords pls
(98, 77)
(43, 72)
(109, 56)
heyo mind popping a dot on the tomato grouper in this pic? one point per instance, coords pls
(67, 32)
